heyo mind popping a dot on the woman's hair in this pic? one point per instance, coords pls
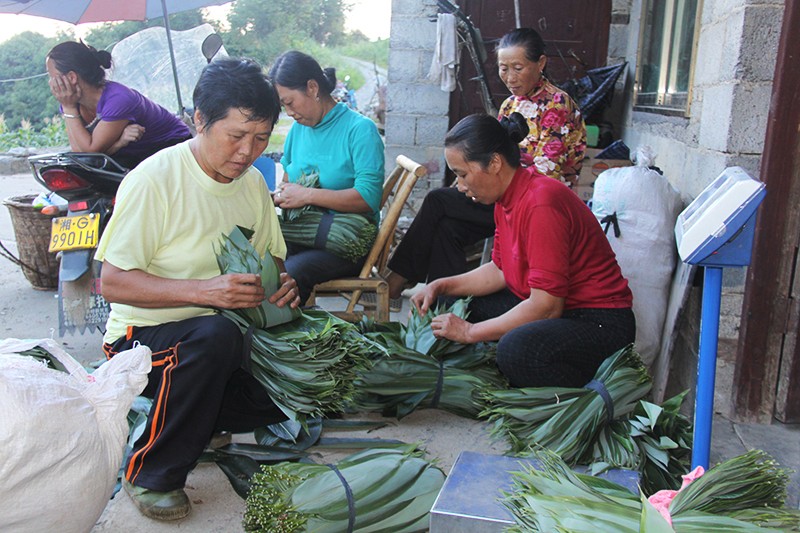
(84, 60)
(231, 83)
(481, 136)
(526, 38)
(294, 70)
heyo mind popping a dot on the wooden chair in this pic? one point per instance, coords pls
(396, 189)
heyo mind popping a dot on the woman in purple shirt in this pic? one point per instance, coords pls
(106, 116)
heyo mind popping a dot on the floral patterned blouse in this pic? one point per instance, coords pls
(557, 139)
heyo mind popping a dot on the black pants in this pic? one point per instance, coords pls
(433, 246)
(197, 386)
(130, 161)
(557, 352)
(309, 266)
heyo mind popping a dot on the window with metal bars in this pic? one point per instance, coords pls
(665, 66)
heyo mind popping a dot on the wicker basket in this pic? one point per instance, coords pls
(32, 230)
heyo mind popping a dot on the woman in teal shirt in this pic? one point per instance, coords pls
(341, 145)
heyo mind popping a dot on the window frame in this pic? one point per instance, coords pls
(661, 101)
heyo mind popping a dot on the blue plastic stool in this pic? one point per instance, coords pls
(267, 167)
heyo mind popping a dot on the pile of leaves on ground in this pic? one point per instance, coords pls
(387, 489)
(744, 494)
(607, 424)
(425, 371)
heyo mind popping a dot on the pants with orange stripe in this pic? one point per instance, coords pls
(198, 387)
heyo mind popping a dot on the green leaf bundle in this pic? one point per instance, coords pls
(567, 420)
(656, 440)
(392, 490)
(237, 256)
(407, 380)
(424, 371)
(309, 366)
(665, 437)
(743, 494)
(350, 236)
(748, 481)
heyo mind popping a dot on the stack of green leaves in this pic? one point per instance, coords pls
(656, 440)
(307, 361)
(309, 366)
(392, 490)
(424, 371)
(40, 354)
(750, 487)
(743, 494)
(351, 235)
(567, 420)
(238, 256)
(665, 437)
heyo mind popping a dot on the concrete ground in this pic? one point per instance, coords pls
(28, 313)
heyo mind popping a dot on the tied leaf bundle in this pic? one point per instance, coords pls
(424, 371)
(656, 440)
(567, 420)
(743, 494)
(237, 256)
(350, 235)
(391, 490)
(408, 380)
(309, 366)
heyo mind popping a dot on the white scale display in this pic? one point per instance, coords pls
(716, 230)
(709, 230)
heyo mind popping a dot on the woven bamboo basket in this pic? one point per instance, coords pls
(32, 231)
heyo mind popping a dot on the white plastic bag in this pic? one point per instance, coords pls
(62, 435)
(645, 206)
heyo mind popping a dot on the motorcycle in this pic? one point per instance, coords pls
(88, 182)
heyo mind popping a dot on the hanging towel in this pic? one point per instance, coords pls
(445, 54)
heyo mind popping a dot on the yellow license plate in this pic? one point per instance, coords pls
(75, 233)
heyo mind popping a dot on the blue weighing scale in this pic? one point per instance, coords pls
(716, 231)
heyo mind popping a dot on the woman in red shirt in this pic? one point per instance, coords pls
(553, 295)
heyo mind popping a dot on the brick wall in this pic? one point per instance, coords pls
(416, 116)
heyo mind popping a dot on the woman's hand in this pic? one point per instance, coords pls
(232, 291)
(287, 293)
(449, 326)
(292, 196)
(425, 298)
(66, 92)
(131, 134)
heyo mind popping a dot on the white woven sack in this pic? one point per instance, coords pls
(62, 435)
(646, 207)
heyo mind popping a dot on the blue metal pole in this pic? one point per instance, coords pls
(706, 366)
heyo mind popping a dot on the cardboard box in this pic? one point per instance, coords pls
(594, 167)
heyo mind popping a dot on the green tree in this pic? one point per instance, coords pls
(23, 56)
(263, 30)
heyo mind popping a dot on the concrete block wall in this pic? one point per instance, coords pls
(416, 114)
(726, 126)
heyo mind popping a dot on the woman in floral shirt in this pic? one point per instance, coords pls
(433, 246)
(557, 139)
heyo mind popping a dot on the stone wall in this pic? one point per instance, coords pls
(726, 126)
(416, 115)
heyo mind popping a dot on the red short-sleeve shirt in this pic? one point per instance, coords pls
(546, 238)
